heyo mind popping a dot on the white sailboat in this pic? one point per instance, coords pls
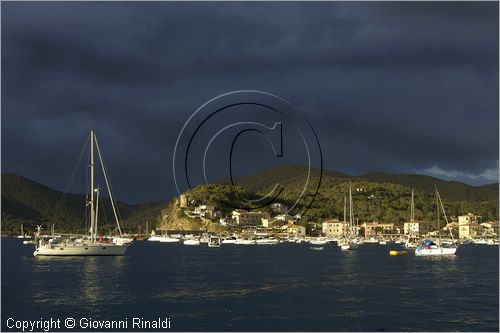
(348, 243)
(85, 245)
(411, 236)
(429, 248)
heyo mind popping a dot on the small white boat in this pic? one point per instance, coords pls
(318, 242)
(231, 240)
(214, 241)
(154, 238)
(244, 241)
(166, 239)
(345, 247)
(371, 240)
(346, 244)
(317, 248)
(267, 241)
(382, 242)
(191, 242)
(484, 241)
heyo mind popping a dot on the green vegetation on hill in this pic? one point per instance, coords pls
(25, 201)
(452, 190)
(376, 196)
(382, 196)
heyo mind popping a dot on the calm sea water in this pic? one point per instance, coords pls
(250, 288)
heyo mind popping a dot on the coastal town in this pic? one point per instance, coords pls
(278, 224)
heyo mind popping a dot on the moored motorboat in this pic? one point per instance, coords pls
(165, 239)
(230, 240)
(191, 242)
(244, 241)
(267, 241)
(214, 241)
(318, 241)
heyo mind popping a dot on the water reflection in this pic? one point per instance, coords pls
(285, 287)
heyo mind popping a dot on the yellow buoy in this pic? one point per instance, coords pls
(397, 253)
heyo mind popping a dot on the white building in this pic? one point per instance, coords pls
(296, 230)
(416, 228)
(334, 228)
(244, 218)
(469, 226)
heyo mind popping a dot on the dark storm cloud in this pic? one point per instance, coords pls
(387, 86)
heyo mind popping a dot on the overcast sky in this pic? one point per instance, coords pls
(407, 88)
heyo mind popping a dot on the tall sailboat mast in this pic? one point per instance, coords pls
(412, 210)
(350, 211)
(438, 224)
(345, 209)
(92, 217)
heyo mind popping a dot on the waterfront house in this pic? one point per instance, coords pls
(490, 229)
(416, 228)
(313, 229)
(373, 229)
(469, 226)
(334, 228)
(244, 218)
(296, 230)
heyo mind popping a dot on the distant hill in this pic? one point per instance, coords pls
(292, 176)
(28, 202)
(381, 196)
(377, 196)
(451, 190)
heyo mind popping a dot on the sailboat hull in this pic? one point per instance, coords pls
(436, 251)
(81, 250)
